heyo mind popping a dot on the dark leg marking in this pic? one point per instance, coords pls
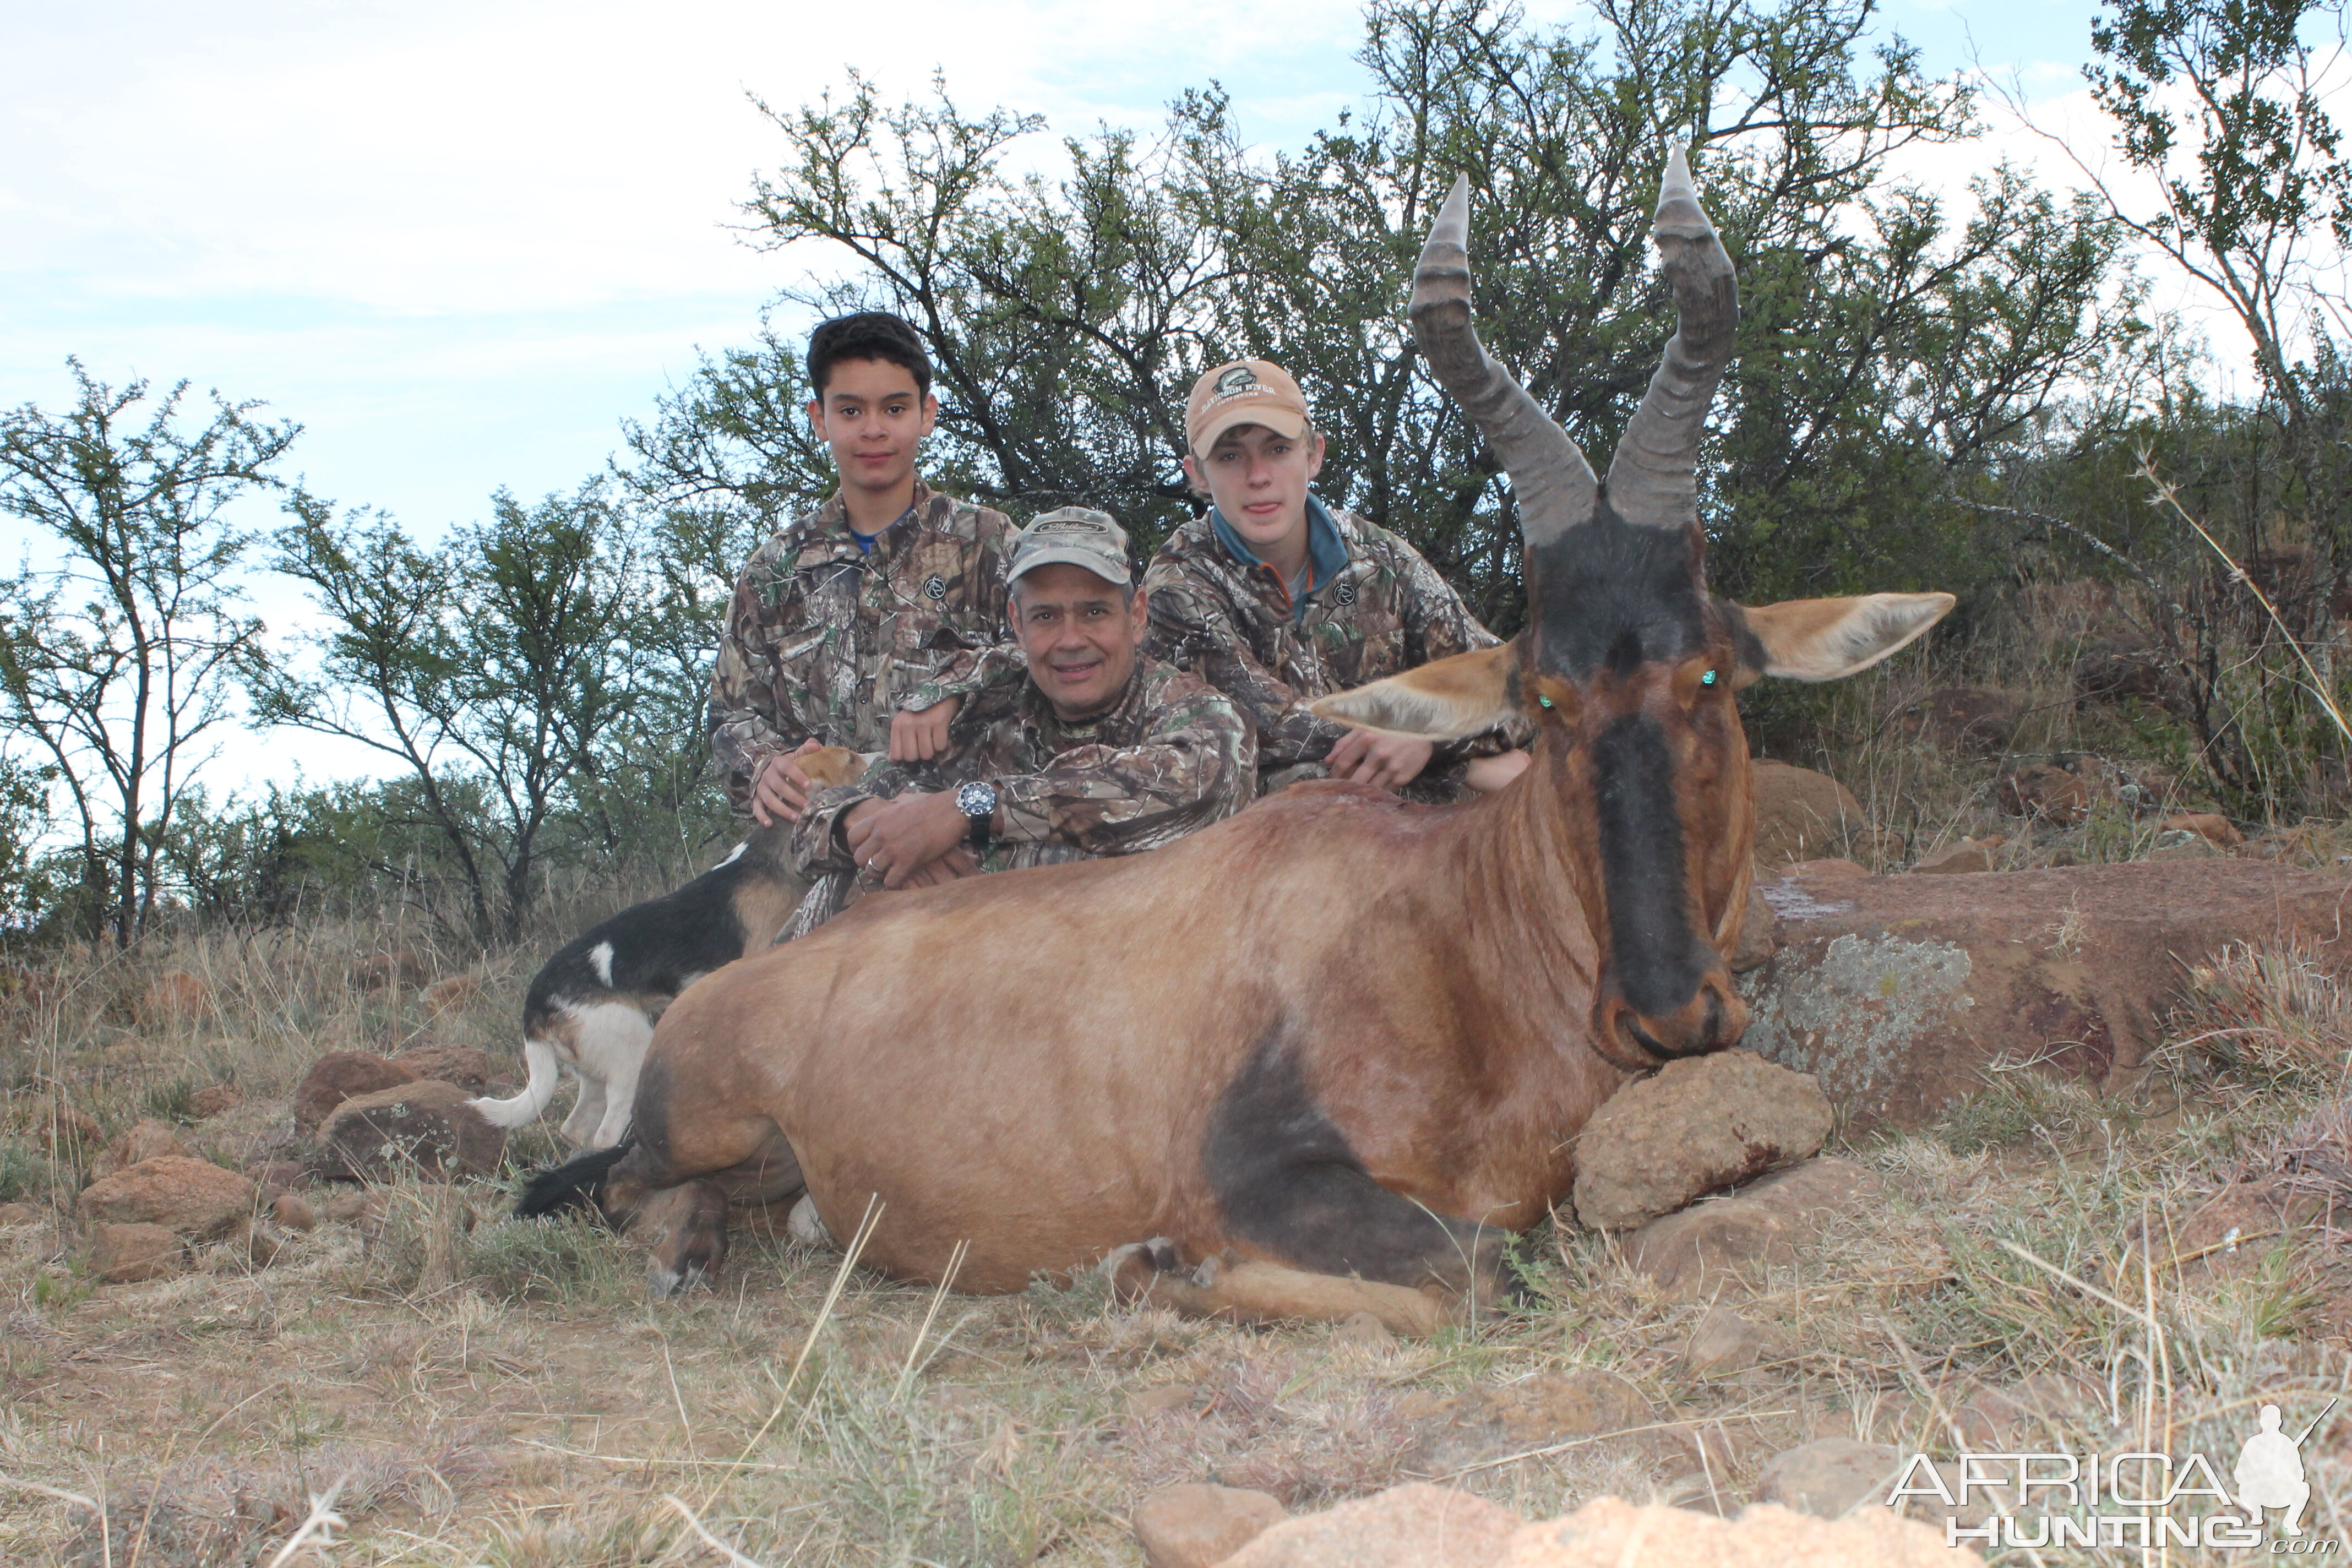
(1287, 1182)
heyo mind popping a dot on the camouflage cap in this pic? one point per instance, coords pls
(1244, 392)
(1074, 536)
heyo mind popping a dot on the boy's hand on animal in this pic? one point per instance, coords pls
(780, 790)
(1389, 761)
(919, 736)
(894, 839)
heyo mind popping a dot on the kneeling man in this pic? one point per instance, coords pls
(1083, 748)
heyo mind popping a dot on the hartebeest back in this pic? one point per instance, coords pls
(1338, 1032)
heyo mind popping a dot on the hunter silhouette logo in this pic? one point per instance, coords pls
(2269, 1471)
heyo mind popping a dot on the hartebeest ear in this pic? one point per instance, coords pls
(1822, 639)
(1441, 700)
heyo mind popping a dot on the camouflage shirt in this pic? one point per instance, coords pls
(1173, 757)
(825, 640)
(1384, 611)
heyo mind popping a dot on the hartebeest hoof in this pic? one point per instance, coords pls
(685, 1227)
(1260, 1293)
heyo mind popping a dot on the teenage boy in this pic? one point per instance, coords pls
(1278, 599)
(1081, 748)
(861, 623)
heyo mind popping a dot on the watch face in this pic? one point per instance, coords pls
(976, 799)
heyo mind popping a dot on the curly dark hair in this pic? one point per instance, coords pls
(868, 334)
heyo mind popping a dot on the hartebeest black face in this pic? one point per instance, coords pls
(1628, 663)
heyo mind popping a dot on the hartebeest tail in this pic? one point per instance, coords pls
(1337, 1033)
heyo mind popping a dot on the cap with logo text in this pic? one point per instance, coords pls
(1246, 391)
(1073, 536)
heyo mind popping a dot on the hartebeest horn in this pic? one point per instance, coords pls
(1654, 476)
(1549, 478)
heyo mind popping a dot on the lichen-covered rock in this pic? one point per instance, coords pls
(415, 1128)
(339, 1076)
(1697, 1125)
(192, 1197)
(1198, 1525)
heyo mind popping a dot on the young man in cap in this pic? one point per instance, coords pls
(1086, 748)
(1278, 599)
(860, 625)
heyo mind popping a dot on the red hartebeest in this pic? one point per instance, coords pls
(1337, 1032)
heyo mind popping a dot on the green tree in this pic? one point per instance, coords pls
(117, 652)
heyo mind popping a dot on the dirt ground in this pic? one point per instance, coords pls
(504, 1393)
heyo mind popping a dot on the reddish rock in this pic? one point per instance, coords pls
(454, 994)
(1694, 1126)
(336, 1077)
(1700, 1250)
(12, 1215)
(294, 1211)
(214, 1098)
(1416, 1525)
(1800, 814)
(126, 1254)
(1976, 721)
(415, 1129)
(59, 1126)
(468, 1067)
(1967, 855)
(2063, 796)
(1760, 933)
(147, 1140)
(1197, 1525)
(1897, 993)
(194, 1197)
(276, 1177)
(174, 993)
(1610, 1532)
(1725, 1343)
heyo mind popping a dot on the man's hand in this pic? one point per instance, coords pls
(1487, 774)
(955, 864)
(780, 790)
(1391, 762)
(919, 736)
(897, 839)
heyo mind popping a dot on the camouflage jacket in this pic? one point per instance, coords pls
(1384, 611)
(1174, 756)
(823, 640)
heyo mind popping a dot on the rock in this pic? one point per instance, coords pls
(1698, 1124)
(174, 993)
(194, 1197)
(1807, 871)
(1610, 1533)
(294, 1211)
(2117, 671)
(1412, 1526)
(125, 1253)
(1490, 1421)
(147, 1140)
(336, 1077)
(1800, 814)
(1976, 721)
(353, 1208)
(14, 1216)
(1827, 1477)
(1197, 1525)
(422, 1128)
(1967, 855)
(465, 1066)
(276, 1177)
(1899, 993)
(1364, 1328)
(1700, 1249)
(1760, 933)
(214, 1098)
(390, 969)
(454, 994)
(1725, 1343)
(1991, 1419)
(2207, 826)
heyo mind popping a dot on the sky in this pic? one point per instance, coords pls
(460, 243)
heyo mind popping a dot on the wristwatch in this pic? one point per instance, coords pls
(978, 802)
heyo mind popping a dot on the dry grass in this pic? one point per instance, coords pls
(501, 1394)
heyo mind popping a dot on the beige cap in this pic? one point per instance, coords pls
(1246, 392)
(1074, 536)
